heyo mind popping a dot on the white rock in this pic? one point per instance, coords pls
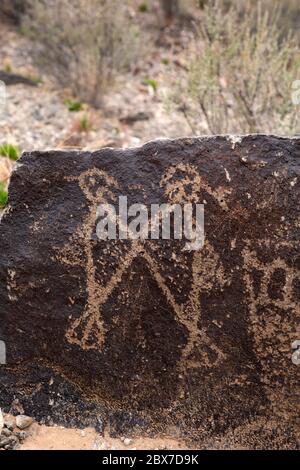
(127, 441)
(1, 421)
(10, 422)
(23, 421)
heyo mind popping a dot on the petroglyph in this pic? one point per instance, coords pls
(274, 320)
(183, 184)
(88, 331)
(91, 320)
(262, 298)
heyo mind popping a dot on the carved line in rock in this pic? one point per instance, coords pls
(252, 261)
(176, 189)
(265, 334)
(262, 299)
(206, 267)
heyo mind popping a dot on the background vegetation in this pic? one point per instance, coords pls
(241, 67)
(104, 72)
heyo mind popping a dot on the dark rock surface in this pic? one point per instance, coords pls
(144, 335)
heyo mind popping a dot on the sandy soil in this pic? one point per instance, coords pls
(59, 438)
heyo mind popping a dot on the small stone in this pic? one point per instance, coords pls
(139, 116)
(10, 422)
(16, 407)
(127, 441)
(9, 442)
(23, 421)
(99, 445)
(21, 435)
(6, 432)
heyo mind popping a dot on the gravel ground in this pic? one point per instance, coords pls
(22, 433)
(132, 113)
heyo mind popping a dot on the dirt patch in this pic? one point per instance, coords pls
(59, 438)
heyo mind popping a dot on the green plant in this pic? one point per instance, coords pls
(73, 106)
(240, 74)
(85, 46)
(10, 151)
(201, 3)
(8, 67)
(3, 196)
(85, 124)
(143, 7)
(151, 83)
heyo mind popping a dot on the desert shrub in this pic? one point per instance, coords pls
(240, 73)
(170, 7)
(143, 7)
(289, 17)
(180, 11)
(13, 9)
(85, 45)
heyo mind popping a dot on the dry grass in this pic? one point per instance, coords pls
(240, 74)
(85, 46)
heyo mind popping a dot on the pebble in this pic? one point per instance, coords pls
(99, 445)
(10, 422)
(1, 421)
(6, 432)
(23, 421)
(21, 435)
(127, 441)
(9, 442)
(16, 408)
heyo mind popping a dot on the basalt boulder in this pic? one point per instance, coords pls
(145, 336)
